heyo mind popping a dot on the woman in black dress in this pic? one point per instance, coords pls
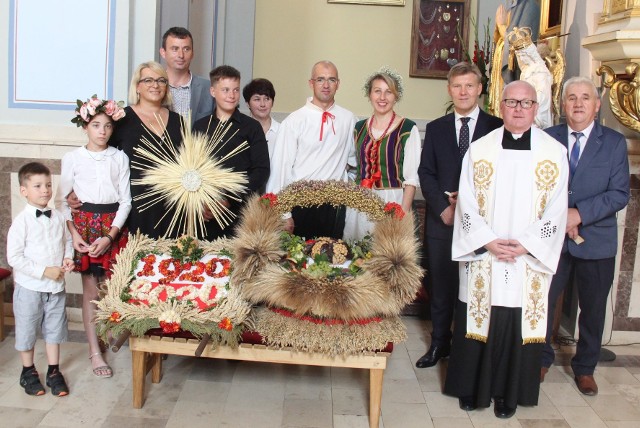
(147, 116)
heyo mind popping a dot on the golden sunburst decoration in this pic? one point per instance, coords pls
(189, 178)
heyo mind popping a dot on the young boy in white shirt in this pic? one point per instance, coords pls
(40, 251)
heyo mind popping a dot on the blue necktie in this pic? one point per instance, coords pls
(463, 143)
(575, 153)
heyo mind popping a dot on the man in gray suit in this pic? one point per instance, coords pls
(189, 92)
(598, 189)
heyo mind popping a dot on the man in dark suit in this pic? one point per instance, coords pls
(446, 141)
(598, 189)
(189, 92)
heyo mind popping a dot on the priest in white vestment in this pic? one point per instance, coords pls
(508, 233)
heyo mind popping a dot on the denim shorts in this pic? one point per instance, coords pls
(35, 310)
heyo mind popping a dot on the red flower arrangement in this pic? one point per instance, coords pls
(169, 327)
(115, 317)
(394, 209)
(269, 199)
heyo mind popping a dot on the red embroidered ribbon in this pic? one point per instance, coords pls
(325, 321)
(325, 118)
(368, 183)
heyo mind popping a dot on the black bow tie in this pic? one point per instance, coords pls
(46, 213)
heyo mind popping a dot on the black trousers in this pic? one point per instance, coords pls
(323, 220)
(442, 287)
(593, 279)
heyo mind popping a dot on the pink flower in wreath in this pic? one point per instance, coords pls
(394, 209)
(95, 102)
(84, 113)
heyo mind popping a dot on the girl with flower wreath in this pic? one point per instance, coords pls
(387, 151)
(99, 175)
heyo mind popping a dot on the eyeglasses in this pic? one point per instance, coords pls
(525, 104)
(323, 80)
(161, 81)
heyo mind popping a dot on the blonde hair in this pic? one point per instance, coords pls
(134, 98)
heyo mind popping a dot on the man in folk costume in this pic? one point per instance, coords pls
(508, 234)
(598, 189)
(315, 142)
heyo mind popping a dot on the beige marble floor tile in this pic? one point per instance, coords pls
(402, 391)
(563, 394)
(416, 325)
(263, 373)
(543, 423)
(194, 414)
(484, 418)
(128, 422)
(544, 410)
(19, 417)
(350, 401)
(352, 421)
(443, 406)
(318, 372)
(417, 342)
(406, 415)
(400, 368)
(617, 375)
(261, 397)
(205, 392)
(581, 417)
(631, 393)
(399, 351)
(452, 423)
(613, 408)
(622, 424)
(555, 375)
(349, 378)
(307, 413)
(213, 370)
(248, 418)
(308, 388)
(432, 378)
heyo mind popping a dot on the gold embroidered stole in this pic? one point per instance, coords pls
(484, 157)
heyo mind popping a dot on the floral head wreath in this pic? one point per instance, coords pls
(386, 71)
(93, 106)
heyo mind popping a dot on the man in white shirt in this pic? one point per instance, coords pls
(189, 92)
(315, 142)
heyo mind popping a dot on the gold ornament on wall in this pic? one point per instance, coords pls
(624, 94)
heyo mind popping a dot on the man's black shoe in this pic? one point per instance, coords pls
(432, 356)
(501, 410)
(467, 403)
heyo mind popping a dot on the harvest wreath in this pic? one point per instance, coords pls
(174, 285)
(346, 312)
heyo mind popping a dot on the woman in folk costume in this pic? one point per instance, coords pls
(387, 151)
(99, 176)
(509, 228)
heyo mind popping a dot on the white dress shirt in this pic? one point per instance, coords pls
(472, 123)
(35, 243)
(271, 135)
(97, 178)
(583, 140)
(308, 149)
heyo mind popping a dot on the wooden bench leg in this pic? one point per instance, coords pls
(139, 372)
(375, 396)
(156, 367)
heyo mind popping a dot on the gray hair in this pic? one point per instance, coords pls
(576, 80)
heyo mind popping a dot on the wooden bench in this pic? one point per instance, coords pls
(146, 355)
(4, 274)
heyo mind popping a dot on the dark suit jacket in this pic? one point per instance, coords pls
(201, 99)
(440, 166)
(599, 189)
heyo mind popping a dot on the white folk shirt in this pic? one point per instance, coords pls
(271, 136)
(301, 153)
(514, 208)
(35, 243)
(97, 178)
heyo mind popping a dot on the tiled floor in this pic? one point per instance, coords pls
(210, 393)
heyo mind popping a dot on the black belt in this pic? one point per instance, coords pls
(99, 208)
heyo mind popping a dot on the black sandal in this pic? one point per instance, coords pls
(58, 386)
(30, 381)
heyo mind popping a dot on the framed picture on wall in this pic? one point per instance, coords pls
(550, 18)
(440, 27)
(380, 2)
